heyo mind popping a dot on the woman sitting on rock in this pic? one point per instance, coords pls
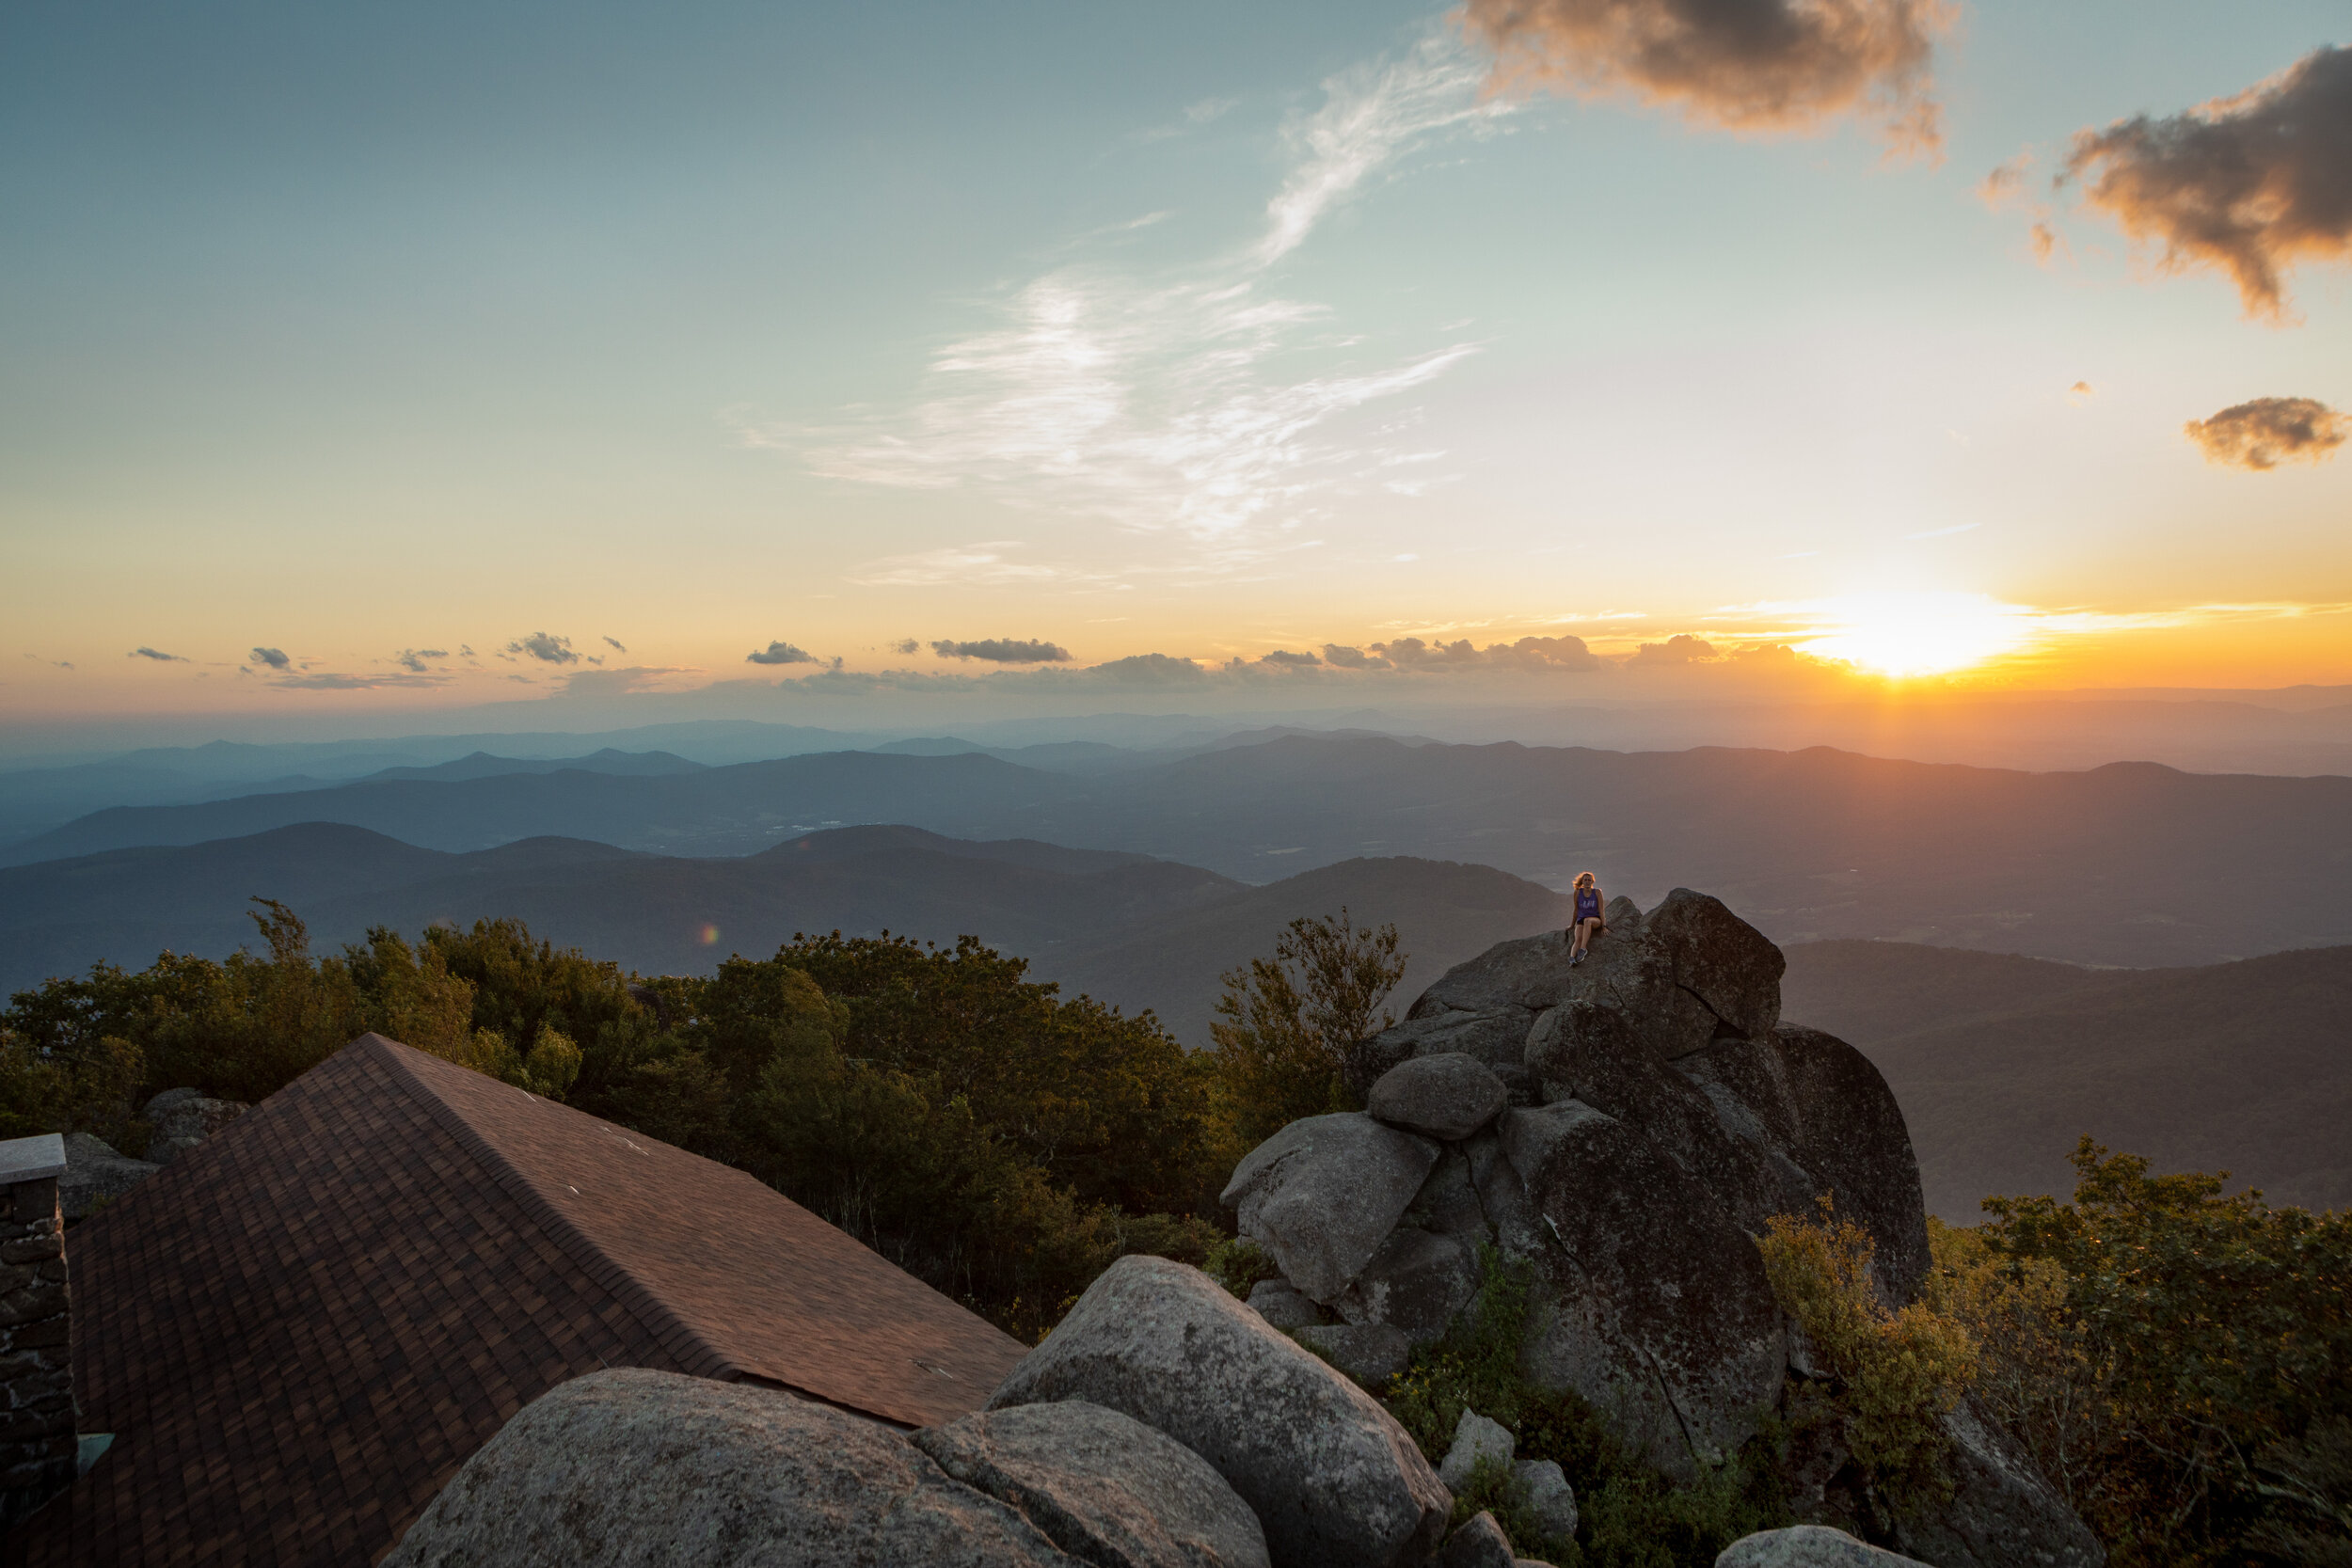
(1586, 923)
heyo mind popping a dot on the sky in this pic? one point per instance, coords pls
(386, 360)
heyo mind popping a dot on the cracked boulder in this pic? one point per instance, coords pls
(1659, 1311)
(1322, 1195)
(1103, 1487)
(1335, 1482)
(631, 1467)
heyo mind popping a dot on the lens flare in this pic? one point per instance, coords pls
(710, 936)
(1919, 633)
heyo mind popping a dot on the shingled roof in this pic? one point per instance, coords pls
(299, 1330)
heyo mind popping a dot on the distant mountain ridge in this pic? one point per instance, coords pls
(2115, 865)
(2000, 1063)
(1126, 927)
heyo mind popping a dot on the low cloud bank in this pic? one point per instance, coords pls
(1538, 654)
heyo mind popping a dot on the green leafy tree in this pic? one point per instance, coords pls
(2210, 1336)
(1286, 1022)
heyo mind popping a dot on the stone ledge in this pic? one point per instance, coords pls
(39, 1158)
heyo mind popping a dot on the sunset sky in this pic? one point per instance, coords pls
(391, 358)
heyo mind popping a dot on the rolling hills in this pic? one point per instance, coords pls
(2000, 1063)
(1129, 929)
(2124, 864)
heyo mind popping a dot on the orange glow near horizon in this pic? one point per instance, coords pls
(1907, 634)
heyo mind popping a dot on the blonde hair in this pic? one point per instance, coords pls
(1583, 877)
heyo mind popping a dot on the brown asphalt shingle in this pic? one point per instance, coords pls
(298, 1330)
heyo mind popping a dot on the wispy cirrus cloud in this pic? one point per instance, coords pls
(1372, 115)
(1195, 404)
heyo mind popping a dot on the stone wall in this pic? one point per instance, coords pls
(37, 1446)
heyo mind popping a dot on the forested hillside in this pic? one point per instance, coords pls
(2000, 1063)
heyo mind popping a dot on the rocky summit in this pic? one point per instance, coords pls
(1627, 1126)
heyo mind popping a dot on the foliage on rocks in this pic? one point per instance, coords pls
(1633, 1515)
(1897, 1374)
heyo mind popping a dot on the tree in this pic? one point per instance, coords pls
(2204, 1344)
(1287, 1020)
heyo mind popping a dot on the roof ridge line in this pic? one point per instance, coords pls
(695, 1353)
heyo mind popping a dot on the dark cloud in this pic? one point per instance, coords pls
(906, 646)
(616, 643)
(1003, 650)
(1349, 658)
(2269, 431)
(547, 649)
(1681, 648)
(781, 653)
(412, 659)
(1296, 660)
(275, 658)
(1745, 65)
(157, 656)
(2248, 185)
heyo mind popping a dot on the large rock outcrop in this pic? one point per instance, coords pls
(1654, 1113)
(1335, 1482)
(628, 1467)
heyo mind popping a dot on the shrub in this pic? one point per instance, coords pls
(1285, 1022)
(1239, 1263)
(1897, 1374)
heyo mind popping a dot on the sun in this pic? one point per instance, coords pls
(1903, 634)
